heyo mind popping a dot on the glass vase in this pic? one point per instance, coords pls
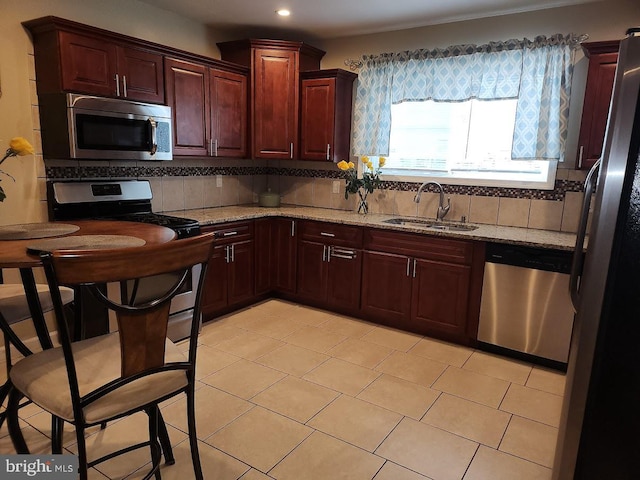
(363, 207)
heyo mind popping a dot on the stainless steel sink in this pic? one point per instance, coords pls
(431, 224)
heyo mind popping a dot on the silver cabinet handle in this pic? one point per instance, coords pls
(328, 150)
(343, 253)
(293, 228)
(578, 255)
(324, 252)
(327, 234)
(226, 254)
(154, 135)
(124, 85)
(580, 156)
(233, 253)
(229, 234)
(415, 262)
(215, 146)
(329, 253)
(210, 148)
(117, 85)
(408, 265)
(291, 150)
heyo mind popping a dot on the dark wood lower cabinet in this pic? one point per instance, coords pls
(440, 295)
(230, 278)
(329, 276)
(386, 287)
(407, 281)
(425, 285)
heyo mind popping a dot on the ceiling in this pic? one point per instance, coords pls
(338, 18)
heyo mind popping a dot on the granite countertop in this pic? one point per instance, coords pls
(488, 233)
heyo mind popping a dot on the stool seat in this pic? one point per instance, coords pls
(13, 302)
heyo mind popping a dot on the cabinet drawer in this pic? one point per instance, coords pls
(419, 246)
(331, 233)
(232, 232)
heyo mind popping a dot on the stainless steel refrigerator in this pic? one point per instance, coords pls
(599, 435)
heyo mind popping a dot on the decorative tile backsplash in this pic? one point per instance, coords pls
(194, 183)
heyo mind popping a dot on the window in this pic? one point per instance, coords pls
(465, 142)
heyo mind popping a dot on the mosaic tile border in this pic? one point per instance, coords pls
(561, 187)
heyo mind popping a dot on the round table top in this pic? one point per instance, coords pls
(13, 253)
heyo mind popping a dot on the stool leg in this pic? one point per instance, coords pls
(165, 441)
(13, 423)
(57, 430)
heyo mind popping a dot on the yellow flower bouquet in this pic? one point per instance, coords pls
(17, 146)
(364, 185)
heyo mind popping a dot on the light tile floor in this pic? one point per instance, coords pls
(294, 393)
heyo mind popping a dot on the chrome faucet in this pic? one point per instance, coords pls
(442, 209)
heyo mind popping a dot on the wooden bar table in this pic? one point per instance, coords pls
(15, 254)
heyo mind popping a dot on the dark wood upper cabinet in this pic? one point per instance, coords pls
(228, 113)
(325, 114)
(78, 58)
(188, 97)
(603, 58)
(209, 108)
(274, 91)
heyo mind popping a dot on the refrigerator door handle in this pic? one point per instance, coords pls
(578, 254)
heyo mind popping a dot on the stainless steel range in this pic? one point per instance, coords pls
(126, 200)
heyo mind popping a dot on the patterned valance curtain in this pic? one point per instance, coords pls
(536, 72)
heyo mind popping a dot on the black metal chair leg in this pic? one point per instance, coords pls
(13, 422)
(154, 446)
(4, 391)
(57, 430)
(193, 439)
(165, 441)
(82, 452)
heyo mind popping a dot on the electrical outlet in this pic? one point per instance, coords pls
(335, 185)
(218, 180)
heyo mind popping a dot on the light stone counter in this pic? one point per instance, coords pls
(488, 233)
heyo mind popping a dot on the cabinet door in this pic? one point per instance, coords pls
(597, 97)
(317, 110)
(141, 75)
(214, 294)
(187, 95)
(439, 299)
(275, 103)
(386, 287)
(228, 113)
(312, 270)
(344, 268)
(264, 255)
(88, 64)
(284, 249)
(240, 272)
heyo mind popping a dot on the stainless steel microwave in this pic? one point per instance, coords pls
(86, 127)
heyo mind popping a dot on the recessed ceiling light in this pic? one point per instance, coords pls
(283, 12)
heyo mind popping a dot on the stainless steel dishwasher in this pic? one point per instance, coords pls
(526, 308)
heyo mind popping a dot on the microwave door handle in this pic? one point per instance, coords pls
(154, 136)
(578, 254)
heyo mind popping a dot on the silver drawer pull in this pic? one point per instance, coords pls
(327, 234)
(347, 257)
(229, 234)
(343, 251)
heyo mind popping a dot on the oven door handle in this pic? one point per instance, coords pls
(154, 135)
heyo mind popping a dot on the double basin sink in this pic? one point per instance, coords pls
(431, 224)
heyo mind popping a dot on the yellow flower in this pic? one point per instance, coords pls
(352, 165)
(382, 161)
(20, 146)
(364, 159)
(342, 165)
(17, 146)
